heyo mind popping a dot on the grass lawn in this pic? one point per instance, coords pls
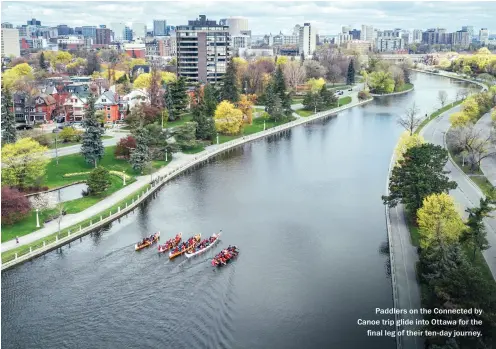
(255, 127)
(484, 184)
(342, 101)
(25, 226)
(75, 163)
(405, 87)
(296, 100)
(436, 114)
(338, 86)
(68, 144)
(194, 150)
(9, 255)
(304, 113)
(187, 117)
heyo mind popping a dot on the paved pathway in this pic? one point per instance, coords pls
(488, 165)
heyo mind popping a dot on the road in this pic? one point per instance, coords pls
(488, 165)
(467, 194)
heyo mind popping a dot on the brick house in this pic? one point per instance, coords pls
(74, 107)
(109, 103)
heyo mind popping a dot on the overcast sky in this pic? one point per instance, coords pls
(264, 17)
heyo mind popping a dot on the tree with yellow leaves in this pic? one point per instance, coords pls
(406, 142)
(143, 81)
(459, 119)
(471, 108)
(17, 75)
(241, 66)
(246, 107)
(228, 119)
(23, 163)
(168, 77)
(315, 84)
(439, 221)
(281, 60)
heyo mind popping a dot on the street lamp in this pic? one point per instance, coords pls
(264, 124)
(217, 138)
(124, 178)
(37, 219)
(166, 155)
(56, 149)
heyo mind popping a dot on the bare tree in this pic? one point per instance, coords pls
(461, 94)
(334, 74)
(410, 121)
(314, 69)
(470, 140)
(442, 96)
(294, 74)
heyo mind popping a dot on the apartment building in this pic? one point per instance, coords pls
(307, 39)
(159, 27)
(389, 44)
(10, 42)
(202, 50)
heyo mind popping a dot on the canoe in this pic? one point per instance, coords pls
(216, 260)
(154, 238)
(184, 247)
(194, 253)
(170, 243)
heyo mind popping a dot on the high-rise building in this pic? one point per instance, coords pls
(139, 30)
(296, 30)
(417, 36)
(64, 29)
(128, 34)
(78, 31)
(346, 29)
(33, 22)
(103, 36)
(89, 31)
(461, 38)
(202, 50)
(159, 27)
(484, 36)
(170, 29)
(236, 25)
(355, 34)
(367, 33)
(307, 39)
(118, 29)
(7, 25)
(469, 29)
(10, 42)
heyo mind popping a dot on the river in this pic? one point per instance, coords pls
(305, 210)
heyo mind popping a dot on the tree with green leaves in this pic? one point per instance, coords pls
(419, 174)
(313, 101)
(279, 88)
(98, 181)
(350, 78)
(92, 147)
(229, 90)
(185, 135)
(203, 111)
(273, 103)
(42, 62)
(328, 98)
(176, 98)
(140, 156)
(9, 131)
(476, 233)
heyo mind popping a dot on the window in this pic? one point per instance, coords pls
(40, 109)
(108, 116)
(104, 100)
(108, 108)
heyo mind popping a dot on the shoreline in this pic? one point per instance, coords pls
(198, 160)
(393, 93)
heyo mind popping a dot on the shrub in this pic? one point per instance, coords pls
(123, 148)
(67, 134)
(98, 181)
(363, 95)
(15, 206)
(40, 137)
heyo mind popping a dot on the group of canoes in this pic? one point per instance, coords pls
(191, 247)
(225, 256)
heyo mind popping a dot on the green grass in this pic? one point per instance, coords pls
(405, 87)
(9, 255)
(436, 114)
(187, 117)
(344, 101)
(25, 226)
(305, 113)
(61, 144)
(75, 163)
(484, 185)
(296, 100)
(338, 86)
(194, 150)
(255, 127)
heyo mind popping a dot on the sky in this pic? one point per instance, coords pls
(263, 17)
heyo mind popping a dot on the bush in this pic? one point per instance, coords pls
(67, 134)
(15, 206)
(40, 137)
(363, 95)
(98, 181)
(124, 146)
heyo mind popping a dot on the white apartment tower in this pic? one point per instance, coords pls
(139, 30)
(484, 36)
(10, 42)
(367, 33)
(118, 29)
(308, 39)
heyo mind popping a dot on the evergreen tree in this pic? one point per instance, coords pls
(9, 131)
(176, 99)
(279, 88)
(203, 112)
(98, 181)
(92, 146)
(43, 64)
(302, 58)
(140, 156)
(185, 135)
(328, 98)
(476, 232)
(273, 103)
(229, 90)
(350, 78)
(169, 103)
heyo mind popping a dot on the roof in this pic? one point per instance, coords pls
(109, 96)
(146, 68)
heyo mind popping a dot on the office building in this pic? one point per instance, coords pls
(202, 50)
(355, 34)
(89, 31)
(236, 25)
(367, 33)
(64, 29)
(345, 29)
(103, 36)
(470, 30)
(10, 42)
(7, 25)
(128, 34)
(342, 38)
(33, 22)
(417, 36)
(389, 44)
(359, 46)
(170, 29)
(139, 30)
(78, 31)
(307, 39)
(461, 38)
(159, 27)
(118, 29)
(484, 36)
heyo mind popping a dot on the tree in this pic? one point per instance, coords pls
(140, 155)
(475, 234)
(294, 74)
(459, 119)
(23, 163)
(98, 181)
(334, 74)
(185, 135)
(273, 103)
(92, 146)
(406, 142)
(154, 89)
(9, 131)
(469, 139)
(70, 134)
(279, 88)
(350, 77)
(228, 119)
(381, 82)
(315, 84)
(410, 121)
(314, 69)
(246, 107)
(229, 90)
(417, 176)
(282, 60)
(93, 63)
(42, 62)
(442, 96)
(327, 97)
(17, 76)
(15, 206)
(125, 146)
(302, 58)
(203, 110)
(438, 220)
(176, 99)
(143, 81)
(312, 101)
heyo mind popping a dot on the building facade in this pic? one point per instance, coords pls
(118, 29)
(484, 36)
(89, 31)
(10, 42)
(128, 34)
(367, 33)
(159, 27)
(307, 39)
(417, 36)
(202, 50)
(103, 36)
(139, 30)
(389, 44)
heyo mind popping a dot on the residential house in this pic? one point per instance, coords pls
(74, 107)
(109, 103)
(135, 97)
(140, 69)
(45, 107)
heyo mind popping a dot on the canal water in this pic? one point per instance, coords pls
(305, 210)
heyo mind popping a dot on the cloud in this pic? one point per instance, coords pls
(263, 17)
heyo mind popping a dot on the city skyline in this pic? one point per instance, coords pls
(273, 17)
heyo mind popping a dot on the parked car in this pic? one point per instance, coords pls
(350, 89)
(56, 130)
